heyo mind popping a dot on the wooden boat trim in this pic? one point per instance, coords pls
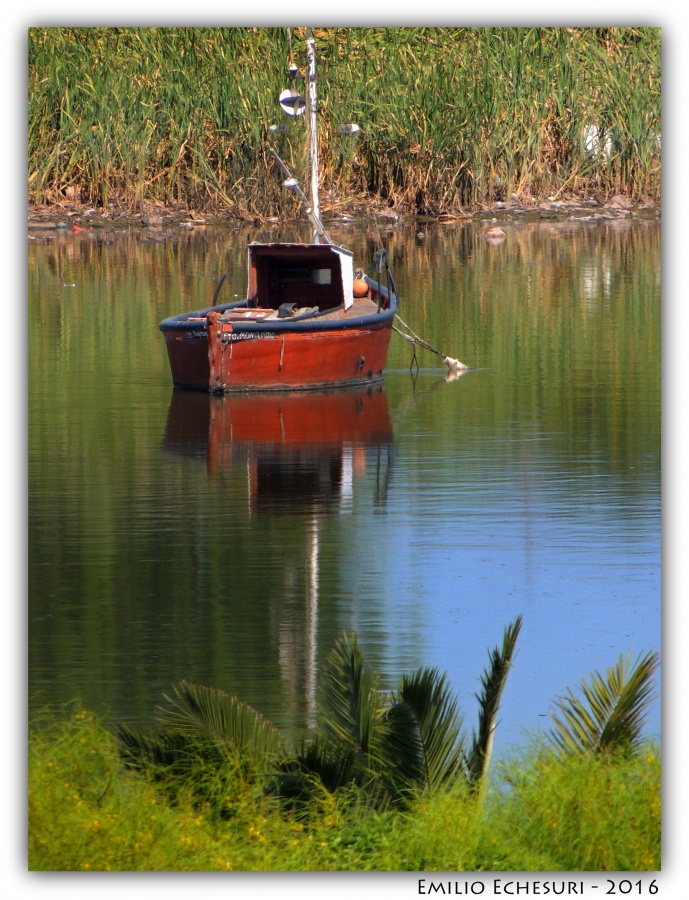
(194, 323)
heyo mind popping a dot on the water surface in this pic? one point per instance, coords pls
(231, 540)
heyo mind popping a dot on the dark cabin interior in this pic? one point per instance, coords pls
(306, 275)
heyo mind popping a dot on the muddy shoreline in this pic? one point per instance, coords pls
(74, 218)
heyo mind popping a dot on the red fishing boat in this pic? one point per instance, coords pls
(308, 321)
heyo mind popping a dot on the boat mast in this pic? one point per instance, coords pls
(313, 127)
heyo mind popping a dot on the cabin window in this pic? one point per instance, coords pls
(322, 276)
(292, 274)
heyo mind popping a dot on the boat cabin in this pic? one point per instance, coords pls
(306, 275)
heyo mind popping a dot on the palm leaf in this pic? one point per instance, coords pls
(493, 683)
(422, 740)
(612, 711)
(198, 710)
(320, 764)
(175, 751)
(401, 753)
(350, 708)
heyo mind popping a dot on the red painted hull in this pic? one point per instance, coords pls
(277, 361)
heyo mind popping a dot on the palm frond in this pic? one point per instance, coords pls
(201, 710)
(320, 764)
(422, 739)
(493, 683)
(400, 757)
(170, 754)
(140, 748)
(350, 706)
(611, 713)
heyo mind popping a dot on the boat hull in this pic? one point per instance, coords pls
(207, 353)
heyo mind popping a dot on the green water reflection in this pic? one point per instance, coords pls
(167, 539)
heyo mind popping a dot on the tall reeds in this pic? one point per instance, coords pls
(451, 118)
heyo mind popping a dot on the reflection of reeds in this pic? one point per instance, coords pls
(556, 304)
(451, 117)
(570, 310)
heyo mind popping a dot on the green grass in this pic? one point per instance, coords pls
(543, 813)
(452, 118)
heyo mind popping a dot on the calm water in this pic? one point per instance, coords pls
(230, 541)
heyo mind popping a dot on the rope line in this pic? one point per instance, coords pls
(454, 365)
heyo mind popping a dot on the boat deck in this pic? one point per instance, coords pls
(361, 307)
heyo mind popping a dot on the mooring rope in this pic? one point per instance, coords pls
(454, 365)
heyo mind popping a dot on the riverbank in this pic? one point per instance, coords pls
(151, 218)
(544, 814)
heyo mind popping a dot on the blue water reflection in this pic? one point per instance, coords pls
(230, 541)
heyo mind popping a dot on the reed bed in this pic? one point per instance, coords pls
(452, 118)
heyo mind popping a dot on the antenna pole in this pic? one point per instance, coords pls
(293, 185)
(313, 126)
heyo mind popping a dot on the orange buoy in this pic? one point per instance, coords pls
(360, 287)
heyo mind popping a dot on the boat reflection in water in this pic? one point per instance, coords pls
(305, 448)
(302, 452)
